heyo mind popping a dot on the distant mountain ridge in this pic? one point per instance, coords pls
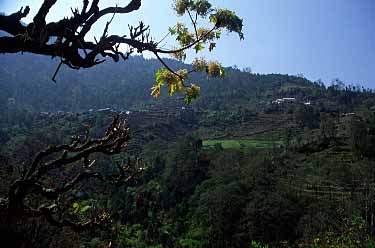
(27, 80)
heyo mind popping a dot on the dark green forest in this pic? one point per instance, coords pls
(256, 161)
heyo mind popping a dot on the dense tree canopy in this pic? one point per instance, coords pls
(302, 176)
(33, 194)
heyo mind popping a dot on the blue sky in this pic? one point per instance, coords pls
(322, 39)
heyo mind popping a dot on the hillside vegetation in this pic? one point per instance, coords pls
(235, 168)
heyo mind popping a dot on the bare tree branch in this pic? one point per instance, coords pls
(69, 35)
(74, 155)
(40, 17)
(12, 23)
(132, 6)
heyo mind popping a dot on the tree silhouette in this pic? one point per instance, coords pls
(70, 43)
(32, 196)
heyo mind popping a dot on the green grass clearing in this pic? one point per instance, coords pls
(243, 143)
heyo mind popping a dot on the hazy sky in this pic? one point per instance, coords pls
(319, 38)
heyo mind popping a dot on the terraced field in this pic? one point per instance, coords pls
(242, 143)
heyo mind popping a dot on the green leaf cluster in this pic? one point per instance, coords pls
(224, 18)
(174, 81)
(197, 40)
(192, 93)
(184, 37)
(81, 207)
(201, 7)
(213, 68)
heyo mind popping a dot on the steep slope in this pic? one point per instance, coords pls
(27, 79)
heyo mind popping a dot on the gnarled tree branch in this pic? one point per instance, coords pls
(74, 155)
(69, 35)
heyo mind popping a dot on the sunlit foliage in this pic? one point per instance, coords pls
(198, 38)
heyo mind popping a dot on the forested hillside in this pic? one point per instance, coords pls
(256, 160)
(28, 79)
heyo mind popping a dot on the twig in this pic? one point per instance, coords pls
(56, 71)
